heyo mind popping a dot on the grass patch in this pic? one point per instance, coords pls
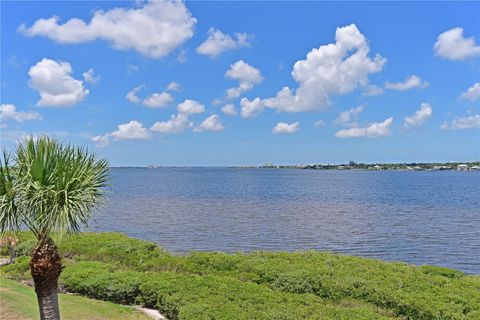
(19, 301)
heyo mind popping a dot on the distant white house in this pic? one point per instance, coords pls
(462, 167)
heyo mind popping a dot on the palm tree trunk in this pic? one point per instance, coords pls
(46, 266)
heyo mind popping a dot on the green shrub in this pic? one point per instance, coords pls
(182, 296)
(19, 270)
(113, 267)
(96, 280)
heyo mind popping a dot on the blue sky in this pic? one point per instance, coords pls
(370, 82)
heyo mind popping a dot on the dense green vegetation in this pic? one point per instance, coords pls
(260, 285)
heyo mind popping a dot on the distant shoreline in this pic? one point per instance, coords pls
(413, 166)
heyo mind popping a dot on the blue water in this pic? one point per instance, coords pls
(415, 217)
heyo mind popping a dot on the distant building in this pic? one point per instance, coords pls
(462, 167)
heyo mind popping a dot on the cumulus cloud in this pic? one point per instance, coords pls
(174, 86)
(251, 108)
(9, 112)
(283, 127)
(179, 122)
(176, 124)
(372, 130)
(319, 123)
(101, 140)
(163, 26)
(462, 123)
(246, 75)
(54, 83)
(189, 107)
(155, 100)
(90, 77)
(452, 45)
(349, 118)
(212, 123)
(229, 109)
(472, 93)
(332, 69)
(132, 95)
(419, 117)
(132, 130)
(219, 42)
(410, 82)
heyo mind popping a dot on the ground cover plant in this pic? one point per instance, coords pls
(259, 285)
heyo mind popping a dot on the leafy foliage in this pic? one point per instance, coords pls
(113, 267)
(49, 187)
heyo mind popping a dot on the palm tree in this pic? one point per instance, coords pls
(49, 188)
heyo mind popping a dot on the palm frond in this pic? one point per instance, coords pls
(9, 217)
(58, 185)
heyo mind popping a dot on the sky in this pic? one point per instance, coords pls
(244, 83)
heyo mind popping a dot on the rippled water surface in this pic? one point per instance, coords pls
(415, 217)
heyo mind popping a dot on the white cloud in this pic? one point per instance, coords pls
(283, 127)
(9, 112)
(219, 42)
(101, 140)
(472, 94)
(246, 75)
(176, 124)
(251, 108)
(189, 107)
(372, 130)
(333, 69)
(155, 100)
(410, 82)
(372, 90)
(462, 123)
(179, 122)
(154, 29)
(90, 77)
(174, 86)
(229, 109)
(212, 123)
(55, 84)
(319, 124)
(132, 130)
(132, 95)
(419, 117)
(244, 72)
(349, 118)
(452, 45)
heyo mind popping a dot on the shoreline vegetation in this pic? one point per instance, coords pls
(352, 165)
(258, 285)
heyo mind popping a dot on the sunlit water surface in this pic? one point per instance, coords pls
(415, 217)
